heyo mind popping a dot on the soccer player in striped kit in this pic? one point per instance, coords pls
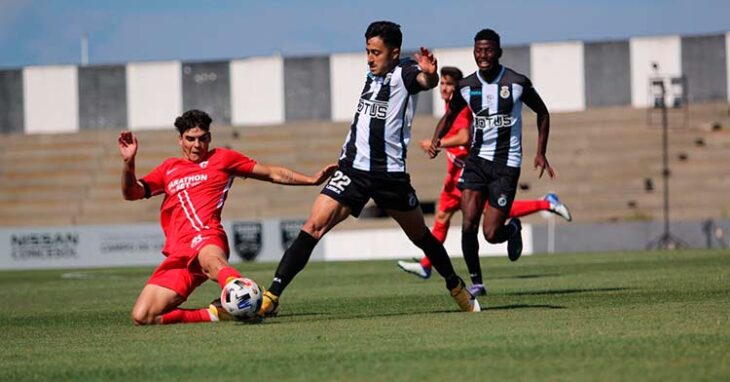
(456, 145)
(195, 187)
(372, 165)
(494, 96)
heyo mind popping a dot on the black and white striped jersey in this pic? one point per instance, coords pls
(496, 109)
(381, 129)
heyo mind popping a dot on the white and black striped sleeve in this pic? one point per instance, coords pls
(530, 96)
(409, 73)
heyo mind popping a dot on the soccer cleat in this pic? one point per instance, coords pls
(415, 268)
(478, 290)
(269, 305)
(514, 243)
(216, 310)
(466, 302)
(557, 207)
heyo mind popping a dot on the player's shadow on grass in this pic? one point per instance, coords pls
(305, 314)
(524, 306)
(528, 276)
(367, 315)
(564, 291)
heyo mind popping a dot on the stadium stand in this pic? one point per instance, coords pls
(604, 158)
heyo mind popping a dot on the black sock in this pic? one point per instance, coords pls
(293, 261)
(470, 250)
(471, 258)
(434, 250)
(504, 232)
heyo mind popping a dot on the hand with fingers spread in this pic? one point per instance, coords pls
(542, 163)
(429, 77)
(426, 61)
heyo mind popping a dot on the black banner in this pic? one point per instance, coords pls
(247, 239)
(289, 231)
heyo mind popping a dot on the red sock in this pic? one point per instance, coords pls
(186, 316)
(440, 230)
(525, 207)
(226, 274)
(425, 262)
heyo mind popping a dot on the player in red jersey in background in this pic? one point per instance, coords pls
(195, 188)
(456, 144)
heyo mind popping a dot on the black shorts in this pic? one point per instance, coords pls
(353, 188)
(498, 182)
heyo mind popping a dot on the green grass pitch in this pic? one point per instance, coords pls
(614, 316)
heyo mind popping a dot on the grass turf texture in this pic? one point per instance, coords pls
(619, 316)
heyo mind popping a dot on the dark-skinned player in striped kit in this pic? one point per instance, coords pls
(494, 95)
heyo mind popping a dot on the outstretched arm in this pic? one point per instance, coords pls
(428, 78)
(533, 100)
(131, 189)
(461, 138)
(284, 175)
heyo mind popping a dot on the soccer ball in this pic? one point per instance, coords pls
(242, 298)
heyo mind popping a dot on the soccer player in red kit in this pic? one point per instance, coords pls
(456, 142)
(195, 187)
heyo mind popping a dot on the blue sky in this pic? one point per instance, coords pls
(35, 32)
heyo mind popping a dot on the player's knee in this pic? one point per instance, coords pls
(491, 236)
(313, 229)
(142, 317)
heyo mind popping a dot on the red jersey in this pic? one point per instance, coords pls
(194, 193)
(456, 155)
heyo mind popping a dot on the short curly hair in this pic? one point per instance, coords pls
(192, 119)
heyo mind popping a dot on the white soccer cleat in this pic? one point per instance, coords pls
(415, 269)
(557, 207)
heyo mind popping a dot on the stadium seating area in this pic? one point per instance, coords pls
(605, 159)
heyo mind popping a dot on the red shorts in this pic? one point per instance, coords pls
(181, 271)
(450, 198)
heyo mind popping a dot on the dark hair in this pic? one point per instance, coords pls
(388, 31)
(452, 72)
(487, 34)
(192, 119)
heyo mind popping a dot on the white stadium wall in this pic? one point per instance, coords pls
(391, 243)
(257, 91)
(51, 99)
(557, 72)
(665, 51)
(347, 78)
(462, 58)
(154, 94)
(275, 89)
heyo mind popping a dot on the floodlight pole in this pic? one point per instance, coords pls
(665, 163)
(666, 240)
